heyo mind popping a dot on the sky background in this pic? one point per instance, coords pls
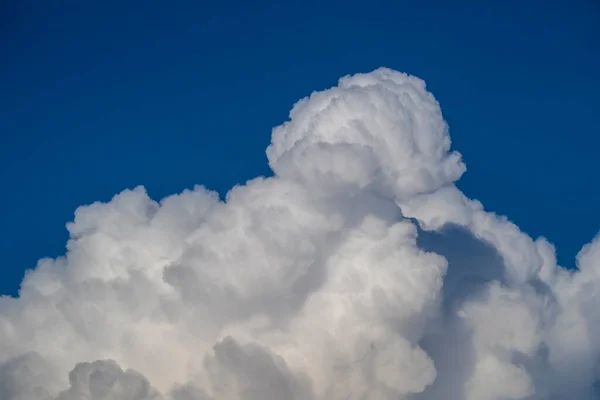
(96, 97)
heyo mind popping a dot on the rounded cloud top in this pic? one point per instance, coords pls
(380, 131)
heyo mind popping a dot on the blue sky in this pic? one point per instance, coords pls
(101, 97)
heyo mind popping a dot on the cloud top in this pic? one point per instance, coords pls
(380, 131)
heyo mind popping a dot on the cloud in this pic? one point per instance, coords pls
(357, 271)
(106, 380)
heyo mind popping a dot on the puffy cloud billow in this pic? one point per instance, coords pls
(358, 271)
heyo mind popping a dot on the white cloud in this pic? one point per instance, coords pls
(358, 271)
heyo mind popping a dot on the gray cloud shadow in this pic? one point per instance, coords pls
(472, 264)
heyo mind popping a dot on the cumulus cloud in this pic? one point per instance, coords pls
(357, 271)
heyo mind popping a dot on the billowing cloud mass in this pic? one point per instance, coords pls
(358, 271)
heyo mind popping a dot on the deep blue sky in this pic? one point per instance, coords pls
(100, 97)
